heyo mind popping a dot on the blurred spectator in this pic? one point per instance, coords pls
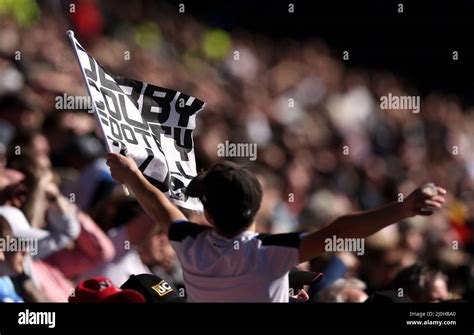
(422, 284)
(343, 290)
(11, 263)
(324, 146)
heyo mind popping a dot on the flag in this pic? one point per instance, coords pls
(151, 124)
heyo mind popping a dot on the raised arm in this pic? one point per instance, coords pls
(363, 224)
(154, 202)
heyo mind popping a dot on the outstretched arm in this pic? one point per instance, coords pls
(125, 171)
(363, 224)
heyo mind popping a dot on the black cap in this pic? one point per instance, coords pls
(300, 278)
(153, 288)
(228, 191)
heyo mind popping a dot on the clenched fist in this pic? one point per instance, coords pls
(122, 168)
(424, 200)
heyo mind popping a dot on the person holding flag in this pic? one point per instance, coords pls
(148, 132)
(229, 261)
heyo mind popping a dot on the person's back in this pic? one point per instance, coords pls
(249, 267)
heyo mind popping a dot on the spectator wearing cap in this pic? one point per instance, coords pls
(153, 288)
(102, 289)
(51, 266)
(18, 265)
(230, 262)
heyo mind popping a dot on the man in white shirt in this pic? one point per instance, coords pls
(230, 262)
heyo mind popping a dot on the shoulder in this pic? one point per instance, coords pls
(179, 230)
(289, 240)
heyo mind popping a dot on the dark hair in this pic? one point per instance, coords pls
(5, 229)
(414, 280)
(115, 211)
(13, 101)
(25, 162)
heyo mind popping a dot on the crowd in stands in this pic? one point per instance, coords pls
(324, 148)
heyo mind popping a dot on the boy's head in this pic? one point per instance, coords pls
(231, 196)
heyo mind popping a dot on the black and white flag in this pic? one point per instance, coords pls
(151, 124)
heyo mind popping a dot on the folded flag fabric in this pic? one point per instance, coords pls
(151, 124)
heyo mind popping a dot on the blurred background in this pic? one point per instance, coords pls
(269, 77)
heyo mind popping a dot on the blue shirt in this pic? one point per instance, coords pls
(7, 291)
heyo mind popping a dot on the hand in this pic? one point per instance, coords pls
(48, 185)
(51, 191)
(45, 178)
(122, 168)
(418, 201)
(301, 296)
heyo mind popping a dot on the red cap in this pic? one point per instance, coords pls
(101, 289)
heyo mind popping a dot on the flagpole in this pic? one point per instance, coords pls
(70, 34)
